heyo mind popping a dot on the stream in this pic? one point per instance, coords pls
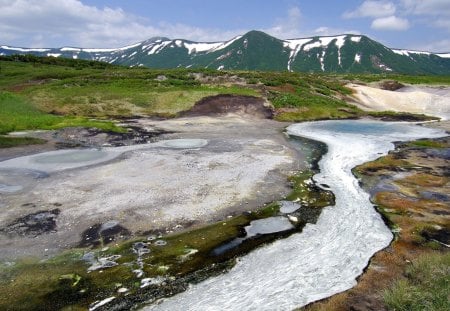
(326, 257)
(282, 256)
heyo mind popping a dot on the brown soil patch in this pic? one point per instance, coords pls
(288, 88)
(22, 86)
(391, 85)
(231, 104)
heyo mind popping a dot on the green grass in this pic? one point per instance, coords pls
(399, 116)
(110, 91)
(16, 114)
(304, 97)
(8, 142)
(425, 286)
(90, 89)
(426, 143)
(123, 98)
(305, 106)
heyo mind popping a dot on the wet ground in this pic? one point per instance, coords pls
(201, 170)
(144, 215)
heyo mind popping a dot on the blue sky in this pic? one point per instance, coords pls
(409, 24)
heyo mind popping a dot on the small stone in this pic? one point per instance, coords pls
(293, 218)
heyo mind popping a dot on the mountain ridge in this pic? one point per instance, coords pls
(256, 50)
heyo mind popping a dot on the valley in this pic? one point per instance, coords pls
(124, 186)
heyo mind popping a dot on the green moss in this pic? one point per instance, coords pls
(425, 286)
(8, 142)
(388, 162)
(309, 194)
(400, 116)
(426, 143)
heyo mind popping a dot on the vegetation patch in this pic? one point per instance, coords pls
(400, 116)
(82, 88)
(427, 143)
(16, 114)
(389, 162)
(424, 180)
(9, 141)
(424, 287)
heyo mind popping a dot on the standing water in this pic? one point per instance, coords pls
(327, 257)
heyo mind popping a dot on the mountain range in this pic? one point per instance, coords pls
(257, 50)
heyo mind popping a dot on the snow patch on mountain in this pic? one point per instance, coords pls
(444, 55)
(111, 50)
(408, 52)
(201, 47)
(158, 47)
(295, 45)
(322, 65)
(384, 67)
(70, 49)
(340, 41)
(226, 44)
(5, 47)
(313, 45)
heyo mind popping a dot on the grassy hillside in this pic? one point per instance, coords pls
(16, 114)
(79, 89)
(52, 92)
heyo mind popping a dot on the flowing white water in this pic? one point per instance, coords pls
(325, 258)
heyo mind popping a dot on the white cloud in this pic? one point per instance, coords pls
(287, 27)
(440, 46)
(390, 23)
(442, 23)
(327, 31)
(49, 22)
(372, 8)
(427, 7)
(434, 13)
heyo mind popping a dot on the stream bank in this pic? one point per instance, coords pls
(410, 187)
(327, 257)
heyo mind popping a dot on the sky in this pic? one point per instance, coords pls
(406, 24)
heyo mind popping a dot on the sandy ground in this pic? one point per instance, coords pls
(434, 101)
(149, 187)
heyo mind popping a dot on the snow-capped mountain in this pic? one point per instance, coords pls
(258, 51)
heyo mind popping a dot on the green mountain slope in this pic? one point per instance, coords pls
(259, 51)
